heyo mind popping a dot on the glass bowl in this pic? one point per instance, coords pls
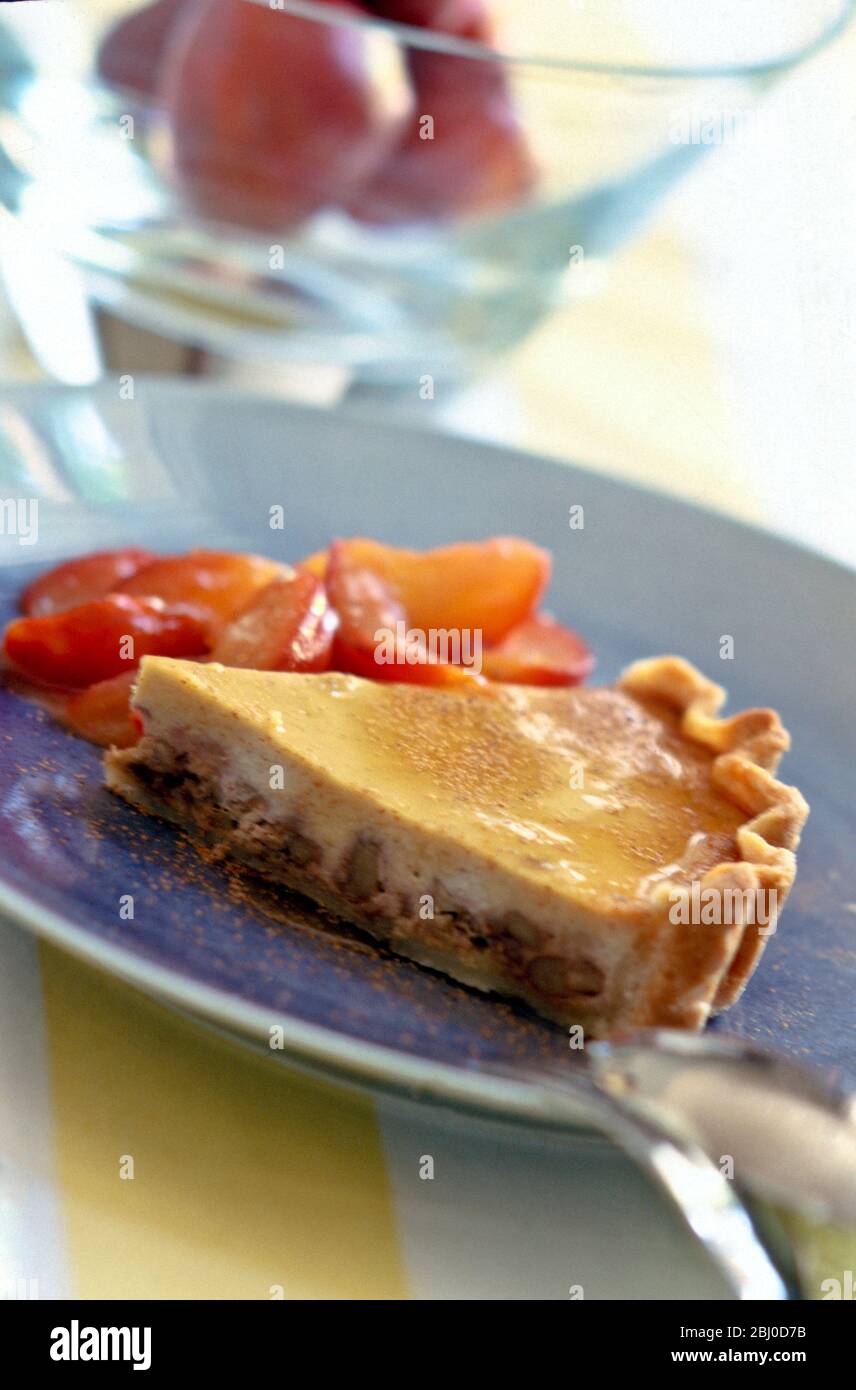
(310, 182)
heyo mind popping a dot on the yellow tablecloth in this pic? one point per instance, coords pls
(147, 1157)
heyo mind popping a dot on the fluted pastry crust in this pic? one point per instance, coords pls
(747, 748)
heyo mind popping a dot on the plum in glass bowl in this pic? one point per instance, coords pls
(398, 187)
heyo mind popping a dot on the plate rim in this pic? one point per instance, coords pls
(152, 385)
(324, 1050)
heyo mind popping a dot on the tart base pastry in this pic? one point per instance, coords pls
(570, 848)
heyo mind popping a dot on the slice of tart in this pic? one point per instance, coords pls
(607, 855)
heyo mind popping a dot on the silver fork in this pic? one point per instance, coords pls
(679, 1104)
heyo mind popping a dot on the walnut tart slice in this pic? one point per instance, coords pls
(612, 856)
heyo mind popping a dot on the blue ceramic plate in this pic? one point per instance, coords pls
(186, 464)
